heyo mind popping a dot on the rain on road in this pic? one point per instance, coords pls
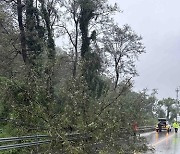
(163, 142)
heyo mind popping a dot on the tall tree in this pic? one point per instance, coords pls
(168, 103)
(87, 18)
(91, 60)
(34, 89)
(9, 43)
(37, 37)
(123, 45)
(69, 24)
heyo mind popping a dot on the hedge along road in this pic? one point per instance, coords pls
(163, 142)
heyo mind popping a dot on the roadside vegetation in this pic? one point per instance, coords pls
(83, 84)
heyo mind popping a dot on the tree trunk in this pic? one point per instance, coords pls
(22, 32)
(85, 17)
(76, 49)
(117, 74)
(51, 51)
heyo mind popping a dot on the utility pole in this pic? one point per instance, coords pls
(177, 101)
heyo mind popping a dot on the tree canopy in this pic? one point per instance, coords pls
(83, 88)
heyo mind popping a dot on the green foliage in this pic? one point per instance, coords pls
(171, 109)
(91, 69)
(46, 98)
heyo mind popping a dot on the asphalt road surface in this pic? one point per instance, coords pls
(163, 142)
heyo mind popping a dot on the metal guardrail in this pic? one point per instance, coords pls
(35, 141)
(145, 129)
(140, 129)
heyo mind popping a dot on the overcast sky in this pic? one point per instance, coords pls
(158, 22)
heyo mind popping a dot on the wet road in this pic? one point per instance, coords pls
(163, 142)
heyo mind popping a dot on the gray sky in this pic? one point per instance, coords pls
(158, 22)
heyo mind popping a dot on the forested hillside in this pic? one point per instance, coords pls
(83, 86)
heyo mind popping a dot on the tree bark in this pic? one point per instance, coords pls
(22, 32)
(51, 51)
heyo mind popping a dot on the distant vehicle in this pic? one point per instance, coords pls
(163, 125)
